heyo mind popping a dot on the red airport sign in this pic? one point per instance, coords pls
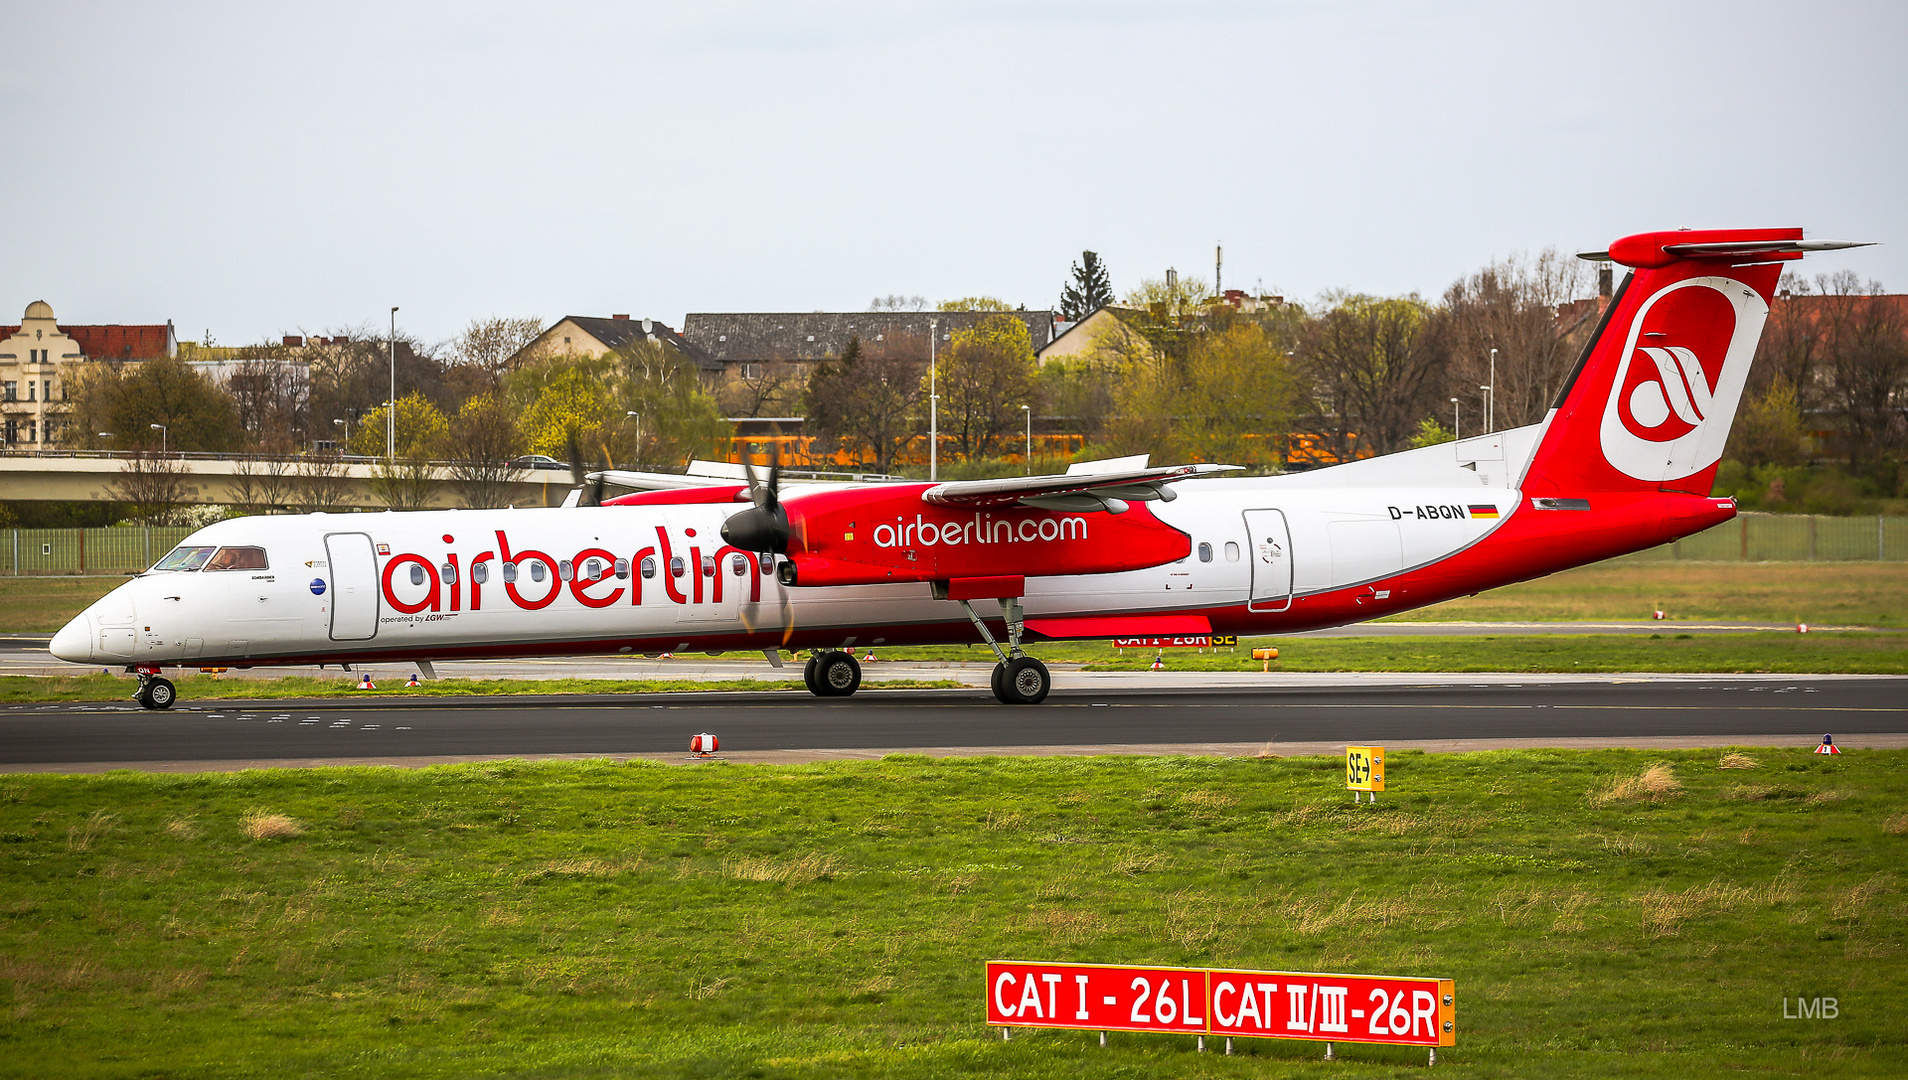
(1199, 1001)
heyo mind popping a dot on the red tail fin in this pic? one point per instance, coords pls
(1652, 399)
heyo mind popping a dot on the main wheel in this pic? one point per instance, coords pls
(838, 674)
(158, 694)
(808, 675)
(1022, 681)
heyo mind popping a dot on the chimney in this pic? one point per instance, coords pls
(625, 318)
(293, 341)
(1606, 276)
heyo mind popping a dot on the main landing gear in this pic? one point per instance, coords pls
(155, 692)
(832, 674)
(1019, 679)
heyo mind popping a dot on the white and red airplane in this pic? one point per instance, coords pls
(1624, 461)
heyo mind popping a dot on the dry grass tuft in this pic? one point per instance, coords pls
(1069, 927)
(1654, 784)
(1852, 903)
(1207, 801)
(593, 868)
(1265, 753)
(1628, 845)
(1005, 821)
(1822, 798)
(260, 825)
(81, 837)
(804, 870)
(1897, 824)
(1737, 760)
(1135, 863)
(1664, 911)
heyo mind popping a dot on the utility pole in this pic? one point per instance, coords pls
(1457, 433)
(1028, 409)
(934, 404)
(1219, 269)
(390, 407)
(1490, 421)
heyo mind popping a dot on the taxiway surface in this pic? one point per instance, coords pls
(1086, 714)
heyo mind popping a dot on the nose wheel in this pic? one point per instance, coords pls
(155, 692)
(832, 674)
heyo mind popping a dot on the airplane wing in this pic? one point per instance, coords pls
(1088, 492)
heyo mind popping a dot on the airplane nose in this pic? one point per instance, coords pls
(74, 642)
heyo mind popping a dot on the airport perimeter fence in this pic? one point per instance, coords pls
(1748, 538)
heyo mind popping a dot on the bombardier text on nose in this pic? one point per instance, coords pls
(723, 559)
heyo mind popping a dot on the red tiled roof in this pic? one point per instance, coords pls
(111, 342)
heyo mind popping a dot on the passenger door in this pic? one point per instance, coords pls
(354, 586)
(1269, 545)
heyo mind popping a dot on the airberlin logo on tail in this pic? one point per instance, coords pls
(1685, 359)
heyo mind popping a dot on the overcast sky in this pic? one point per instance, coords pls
(256, 169)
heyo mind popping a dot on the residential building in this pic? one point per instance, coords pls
(582, 335)
(743, 341)
(37, 356)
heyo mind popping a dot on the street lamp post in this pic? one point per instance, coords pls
(1490, 421)
(631, 413)
(390, 410)
(346, 425)
(163, 433)
(1028, 409)
(1484, 393)
(934, 404)
(1457, 433)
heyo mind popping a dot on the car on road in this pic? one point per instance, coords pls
(538, 461)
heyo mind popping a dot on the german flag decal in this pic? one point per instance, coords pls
(1484, 510)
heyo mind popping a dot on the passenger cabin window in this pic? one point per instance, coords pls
(739, 565)
(1232, 551)
(536, 570)
(239, 558)
(766, 562)
(184, 558)
(676, 566)
(708, 566)
(566, 570)
(649, 567)
(1205, 552)
(417, 574)
(510, 572)
(593, 569)
(480, 572)
(622, 569)
(448, 574)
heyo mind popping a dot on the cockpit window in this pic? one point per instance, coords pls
(239, 558)
(184, 558)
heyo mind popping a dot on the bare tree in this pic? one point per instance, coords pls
(1375, 366)
(897, 302)
(491, 343)
(764, 388)
(483, 441)
(870, 395)
(1521, 308)
(321, 482)
(152, 486)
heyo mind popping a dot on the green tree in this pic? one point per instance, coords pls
(569, 404)
(484, 439)
(975, 303)
(420, 430)
(1374, 365)
(984, 376)
(1431, 433)
(1238, 399)
(1089, 291)
(128, 399)
(1768, 430)
(676, 417)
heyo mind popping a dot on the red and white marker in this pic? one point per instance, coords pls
(704, 743)
(1828, 746)
(365, 683)
(1658, 614)
(1159, 662)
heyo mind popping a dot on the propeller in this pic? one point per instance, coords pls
(763, 526)
(589, 485)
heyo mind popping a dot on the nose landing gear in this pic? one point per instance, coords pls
(1018, 679)
(154, 691)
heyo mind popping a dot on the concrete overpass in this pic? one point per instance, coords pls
(238, 480)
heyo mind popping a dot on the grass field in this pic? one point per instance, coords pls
(1849, 593)
(1600, 916)
(1843, 593)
